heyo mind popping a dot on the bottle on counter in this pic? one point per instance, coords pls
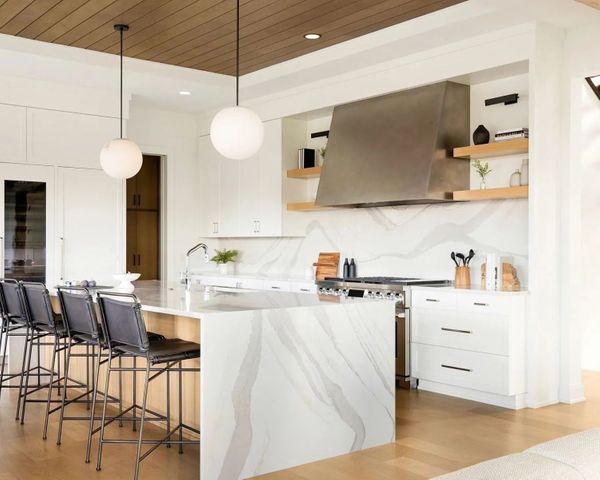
(352, 269)
(346, 270)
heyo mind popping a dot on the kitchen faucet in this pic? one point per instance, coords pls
(186, 280)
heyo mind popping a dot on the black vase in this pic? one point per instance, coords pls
(481, 135)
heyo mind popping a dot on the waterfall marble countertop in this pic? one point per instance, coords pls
(172, 299)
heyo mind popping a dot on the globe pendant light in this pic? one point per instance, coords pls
(237, 132)
(121, 158)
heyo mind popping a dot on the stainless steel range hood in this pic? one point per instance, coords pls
(397, 149)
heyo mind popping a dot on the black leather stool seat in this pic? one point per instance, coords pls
(61, 329)
(87, 338)
(17, 319)
(162, 351)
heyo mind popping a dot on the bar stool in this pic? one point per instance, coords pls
(44, 322)
(83, 329)
(125, 333)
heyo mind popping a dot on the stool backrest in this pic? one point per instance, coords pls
(11, 297)
(38, 307)
(122, 321)
(79, 314)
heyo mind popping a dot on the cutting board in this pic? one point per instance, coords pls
(327, 265)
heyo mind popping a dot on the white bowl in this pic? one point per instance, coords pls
(125, 280)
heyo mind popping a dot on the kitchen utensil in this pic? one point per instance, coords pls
(460, 256)
(470, 257)
(453, 257)
(462, 277)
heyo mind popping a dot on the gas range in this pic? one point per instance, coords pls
(392, 288)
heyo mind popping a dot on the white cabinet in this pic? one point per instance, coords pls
(13, 134)
(250, 283)
(89, 225)
(245, 198)
(67, 139)
(470, 344)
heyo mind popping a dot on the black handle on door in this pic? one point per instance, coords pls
(133, 259)
(432, 300)
(479, 304)
(457, 368)
(139, 259)
(455, 330)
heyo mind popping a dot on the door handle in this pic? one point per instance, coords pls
(457, 368)
(139, 259)
(479, 304)
(133, 259)
(435, 300)
(455, 330)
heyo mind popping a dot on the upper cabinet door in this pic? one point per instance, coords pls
(148, 187)
(229, 171)
(13, 134)
(208, 179)
(270, 198)
(68, 139)
(249, 196)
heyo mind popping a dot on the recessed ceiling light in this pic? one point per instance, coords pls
(312, 36)
(185, 92)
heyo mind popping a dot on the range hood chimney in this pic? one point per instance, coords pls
(397, 149)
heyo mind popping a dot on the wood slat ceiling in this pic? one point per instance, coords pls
(200, 34)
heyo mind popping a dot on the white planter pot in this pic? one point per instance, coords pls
(226, 268)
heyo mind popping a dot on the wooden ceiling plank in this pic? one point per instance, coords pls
(221, 30)
(136, 37)
(146, 21)
(106, 15)
(10, 9)
(203, 34)
(77, 16)
(252, 66)
(590, 3)
(272, 39)
(146, 8)
(269, 28)
(27, 16)
(55, 14)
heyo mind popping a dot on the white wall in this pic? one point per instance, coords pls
(172, 135)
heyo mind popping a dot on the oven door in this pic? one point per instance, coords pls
(403, 347)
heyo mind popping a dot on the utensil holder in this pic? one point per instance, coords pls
(462, 277)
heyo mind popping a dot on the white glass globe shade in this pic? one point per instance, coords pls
(121, 158)
(237, 133)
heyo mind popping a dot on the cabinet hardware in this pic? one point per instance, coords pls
(139, 199)
(455, 330)
(139, 259)
(479, 304)
(457, 368)
(258, 226)
(133, 259)
(275, 288)
(305, 289)
(432, 300)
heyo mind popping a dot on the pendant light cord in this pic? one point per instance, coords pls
(237, 57)
(121, 89)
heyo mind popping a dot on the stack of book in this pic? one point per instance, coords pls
(511, 134)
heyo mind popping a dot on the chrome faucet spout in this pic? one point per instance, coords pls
(186, 275)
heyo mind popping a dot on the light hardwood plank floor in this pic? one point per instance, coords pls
(435, 434)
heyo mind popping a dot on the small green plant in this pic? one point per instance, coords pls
(483, 169)
(224, 256)
(322, 151)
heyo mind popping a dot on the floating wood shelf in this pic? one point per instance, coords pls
(312, 172)
(303, 207)
(492, 194)
(494, 149)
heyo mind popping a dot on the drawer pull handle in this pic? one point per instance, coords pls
(457, 368)
(435, 300)
(479, 304)
(275, 288)
(305, 289)
(456, 330)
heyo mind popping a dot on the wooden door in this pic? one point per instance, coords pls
(147, 245)
(148, 188)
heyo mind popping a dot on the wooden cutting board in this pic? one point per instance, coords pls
(327, 265)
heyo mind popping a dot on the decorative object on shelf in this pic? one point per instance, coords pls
(511, 134)
(125, 280)
(525, 172)
(510, 279)
(121, 158)
(224, 260)
(462, 277)
(492, 272)
(515, 179)
(237, 132)
(306, 158)
(327, 265)
(483, 170)
(322, 152)
(510, 99)
(481, 135)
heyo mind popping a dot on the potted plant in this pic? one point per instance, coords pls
(223, 258)
(483, 169)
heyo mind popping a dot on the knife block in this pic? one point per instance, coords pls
(462, 277)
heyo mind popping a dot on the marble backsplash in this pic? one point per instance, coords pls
(399, 241)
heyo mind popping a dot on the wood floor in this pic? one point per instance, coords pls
(435, 434)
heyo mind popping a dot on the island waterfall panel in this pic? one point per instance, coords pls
(289, 386)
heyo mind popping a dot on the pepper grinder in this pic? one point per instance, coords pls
(352, 269)
(346, 269)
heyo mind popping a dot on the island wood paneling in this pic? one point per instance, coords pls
(201, 34)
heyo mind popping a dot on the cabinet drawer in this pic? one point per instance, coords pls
(478, 371)
(300, 287)
(433, 299)
(219, 281)
(277, 285)
(466, 331)
(250, 284)
(484, 303)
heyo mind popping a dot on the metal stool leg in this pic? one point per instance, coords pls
(120, 390)
(23, 393)
(95, 377)
(24, 363)
(168, 406)
(63, 397)
(3, 347)
(54, 354)
(180, 409)
(134, 393)
(142, 418)
(102, 425)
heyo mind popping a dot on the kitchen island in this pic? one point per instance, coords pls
(285, 379)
